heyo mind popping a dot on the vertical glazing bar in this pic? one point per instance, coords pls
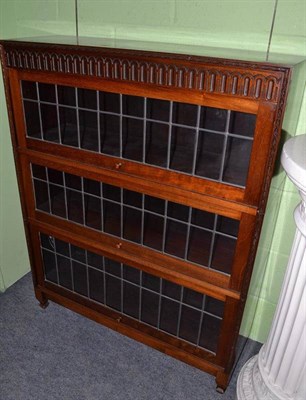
(121, 214)
(39, 112)
(159, 302)
(58, 116)
(195, 151)
(77, 117)
(65, 194)
(180, 313)
(142, 218)
(140, 295)
(169, 135)
(120, 128)
(87, 273)
(104, 281)
(221, 172)
(121, 287)
(102, 209)
(144, 129)
(83, 199)
(71, 269)
(165, 226)
(201, 319)
(188, 234)
(212, 244)
(98, 121)
(48, 186)
(55, 255)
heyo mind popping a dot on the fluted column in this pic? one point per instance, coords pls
(278, 372)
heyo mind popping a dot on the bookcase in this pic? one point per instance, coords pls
(143, 179)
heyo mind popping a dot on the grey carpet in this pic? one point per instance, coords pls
(56, 354)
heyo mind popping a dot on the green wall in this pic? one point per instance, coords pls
(226, 24)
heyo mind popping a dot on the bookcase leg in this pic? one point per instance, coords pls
(41, 297)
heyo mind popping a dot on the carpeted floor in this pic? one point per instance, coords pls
(55, 354)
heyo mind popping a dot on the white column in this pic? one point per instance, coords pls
(278, 372)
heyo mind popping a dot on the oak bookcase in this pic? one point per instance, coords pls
(143, 179)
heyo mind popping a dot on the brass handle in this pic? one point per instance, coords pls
(118, 165)
(119, 245)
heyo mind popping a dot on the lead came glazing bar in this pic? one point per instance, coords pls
(224, 146)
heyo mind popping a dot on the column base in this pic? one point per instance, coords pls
(250, 384)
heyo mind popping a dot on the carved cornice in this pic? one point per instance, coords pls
(234, 78)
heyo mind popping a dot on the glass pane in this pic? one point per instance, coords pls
(171, 289)
(47, 241)
(66, 95)
(178, 211)
(62, 247)
(132, 139)
(185, 114)
(202, 218)
(199, 246)
(131, 300)
(132, 224)
(55, 176)
(149, 308)
(182, 149)
(68, 126)
(223, 255)
(132, 198)
(58, 205)
(133, 105)
(131, 274)
(77, 253)
(158, 109)
(113, 267)
(87, 98)
(151, 282)
(29, 90)
(213, 119)
(64, 271)
(111, 192)
(110, 134)
(153, 231)
(210, 333)
(94, 260)
(193, 298)
(190, 322)
(157, 144)
(75, 206)
(93, 217)
(176, 238)
(79, 278)
(109, 102)
(88, 126)
(49, 122)
(214, 306)
(41, 196)
(242, 124)
(113, 292)
(237, 161)
(96, 285)
(155, 205)
(73, 181)
(228, 225)
(32, 121)
(112, 218)
(169, 316)
(92, 187)
(209, 155)
(39, 172)
(47, 92)
(49, 265)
